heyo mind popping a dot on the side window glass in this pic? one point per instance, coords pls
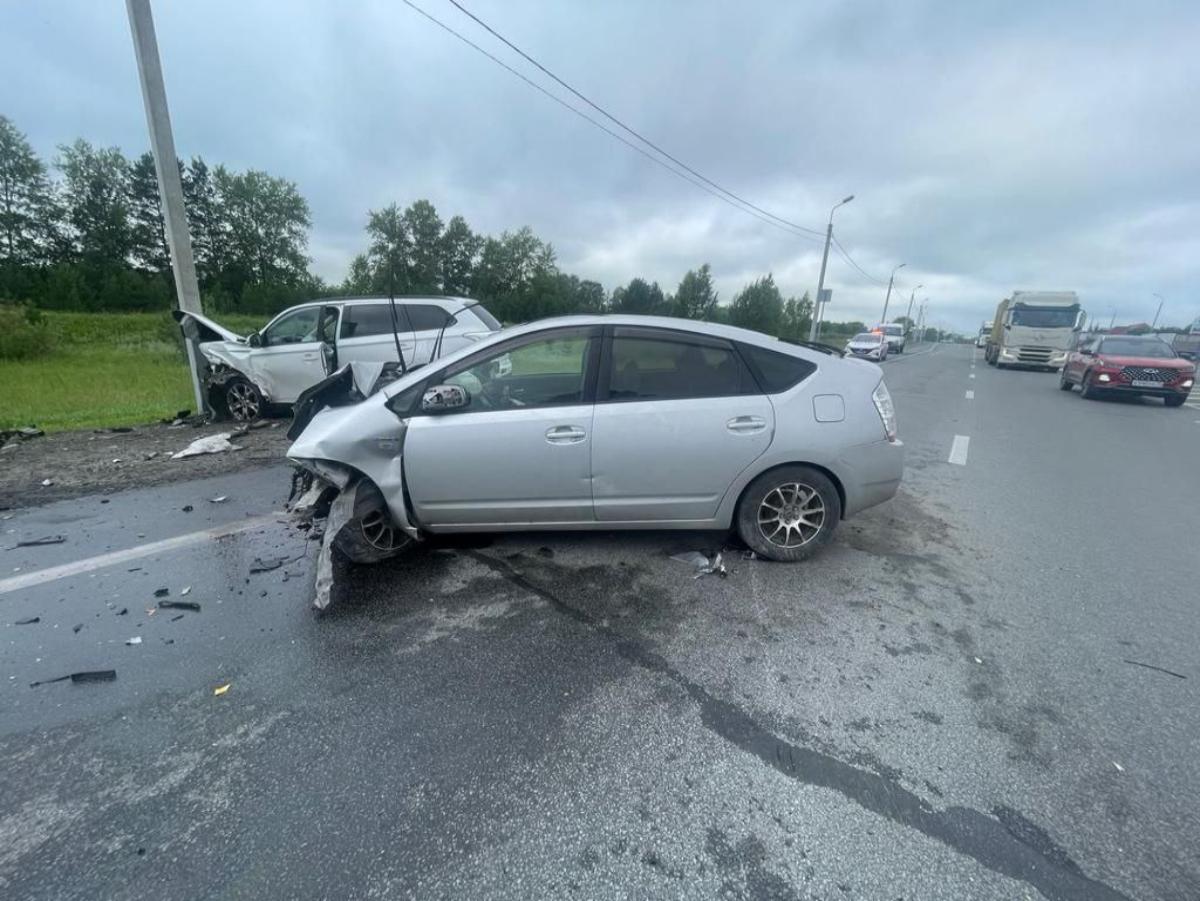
(426, 317)
(293, 328)
(778, 371)
(653, 369)
(542, 373)
(364, 320)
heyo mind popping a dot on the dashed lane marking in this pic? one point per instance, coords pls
(77, 567)
(958, 450)
(970, 395)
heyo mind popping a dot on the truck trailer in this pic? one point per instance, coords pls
(1034, 329)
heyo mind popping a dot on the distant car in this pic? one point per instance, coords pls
(303, 344)
(1126, 364)
(894, 332)
(871, 345)
(608, 422)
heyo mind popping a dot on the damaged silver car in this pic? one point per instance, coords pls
(600, 422)
(303, 344)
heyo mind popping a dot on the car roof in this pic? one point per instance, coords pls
(444, 301)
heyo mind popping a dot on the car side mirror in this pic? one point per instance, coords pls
(254, 339)
(441, 398)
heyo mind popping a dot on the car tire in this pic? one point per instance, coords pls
(370, 536)
(1086, 391)
(243, 401)
(1063, 382)
(1176, 401)
(795, 490)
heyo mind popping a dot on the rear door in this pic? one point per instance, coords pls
(520, 451)
(678, 417)
(366, 334)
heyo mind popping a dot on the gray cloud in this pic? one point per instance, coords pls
(991, 146)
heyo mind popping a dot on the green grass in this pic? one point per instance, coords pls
(106, 369)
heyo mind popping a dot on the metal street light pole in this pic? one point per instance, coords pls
(908, 315)
(814, 327)
(888, 296)
(170, 187)
(921, 320)
(1158, 311)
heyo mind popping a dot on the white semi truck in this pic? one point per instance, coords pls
(1034, 329)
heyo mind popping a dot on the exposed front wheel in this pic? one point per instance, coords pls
(788, 513)
(1063, 382)
(243, 401)
(370, 536)
(1176, 401)
(1086, 390)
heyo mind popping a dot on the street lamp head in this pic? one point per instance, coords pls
(848, 199)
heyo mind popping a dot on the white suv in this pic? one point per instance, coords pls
(894, 332)
(301, 345)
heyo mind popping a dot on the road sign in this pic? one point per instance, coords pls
(826, 295)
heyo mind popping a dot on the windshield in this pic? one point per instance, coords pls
(1063, 317)
(1136, 347)
(865, 338)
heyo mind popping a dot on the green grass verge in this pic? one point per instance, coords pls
(106, 369)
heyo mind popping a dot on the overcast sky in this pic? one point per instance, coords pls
(992, 146)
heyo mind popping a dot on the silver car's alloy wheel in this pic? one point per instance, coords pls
(791, 515)
(242, 400)
(378, 531)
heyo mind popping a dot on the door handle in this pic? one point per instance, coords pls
(310, 356)
(565, 434)
(746, 425)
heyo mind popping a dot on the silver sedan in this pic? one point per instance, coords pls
(607, 422)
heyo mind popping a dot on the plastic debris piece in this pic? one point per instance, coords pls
(39, 542)
(176, 618)
(46, 483)
(179, 605)
(100, 675)
(77, 627)
(219, 500)
(122, 611)
(221, 689)
(703, 565)
(186, 591)
(188, 508)
(161, 592)
(1120, 769)
(265, 566)
(210, 444)
(150, 611)
(137, 639)
(28, 621)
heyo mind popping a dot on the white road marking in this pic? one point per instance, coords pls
(970, 395)
(958, 450)
(50, 574)
(971, 376)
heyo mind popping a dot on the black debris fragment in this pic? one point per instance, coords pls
(99, 675)
(77, 627)
(188, 508)
(177, 617)
(265, 566)
(161, 592)
(179, 605)
(39, 542)
(1157, 669)
(28, 621)
(122, 611)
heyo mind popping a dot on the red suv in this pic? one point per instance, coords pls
(1128, 364)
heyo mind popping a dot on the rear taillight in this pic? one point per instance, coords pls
(887, 411)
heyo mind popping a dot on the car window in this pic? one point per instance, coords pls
(867, 337)
(1033, 318)
(425, 317)
(364, 320)
(664, 369)
(1137, 347)
(293, 328)
(540, 373)
(481, 313)
(778, 371)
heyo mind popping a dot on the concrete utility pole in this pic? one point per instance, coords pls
(1158, 311)
(921, 321)
(908, 315)
(814, 327)
(888, 296)
(170, 187)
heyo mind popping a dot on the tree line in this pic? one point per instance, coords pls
(86, 233)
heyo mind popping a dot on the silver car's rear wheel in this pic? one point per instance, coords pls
(243, 400)
(787, 513)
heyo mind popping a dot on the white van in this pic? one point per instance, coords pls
(894, 332)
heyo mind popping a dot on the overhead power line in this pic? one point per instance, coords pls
(636, 134)
(533, 84)
(849, 259)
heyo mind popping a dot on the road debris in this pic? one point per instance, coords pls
(21, 434)
(28, 621)
(177, 618)
(218, 500)
(188, 508)
(1120, 769)
(1157, 669)
(137, 639)
(39, 542)
(46, 483)
(179, 605)
(265, 566)
(221, 689)
(161, 592)
(122, 611)
(212, 444)
(100, 675)
(186, 591)
(77, 627)
(704, 565)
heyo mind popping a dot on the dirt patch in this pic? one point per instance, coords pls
(102, 461)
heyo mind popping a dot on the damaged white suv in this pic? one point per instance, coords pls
(303, 344)
(599, 422)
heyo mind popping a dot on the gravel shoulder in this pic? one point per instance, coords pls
(102, 461)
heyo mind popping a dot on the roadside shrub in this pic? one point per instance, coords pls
(25, 332)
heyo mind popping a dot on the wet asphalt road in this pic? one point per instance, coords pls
(939, 706)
